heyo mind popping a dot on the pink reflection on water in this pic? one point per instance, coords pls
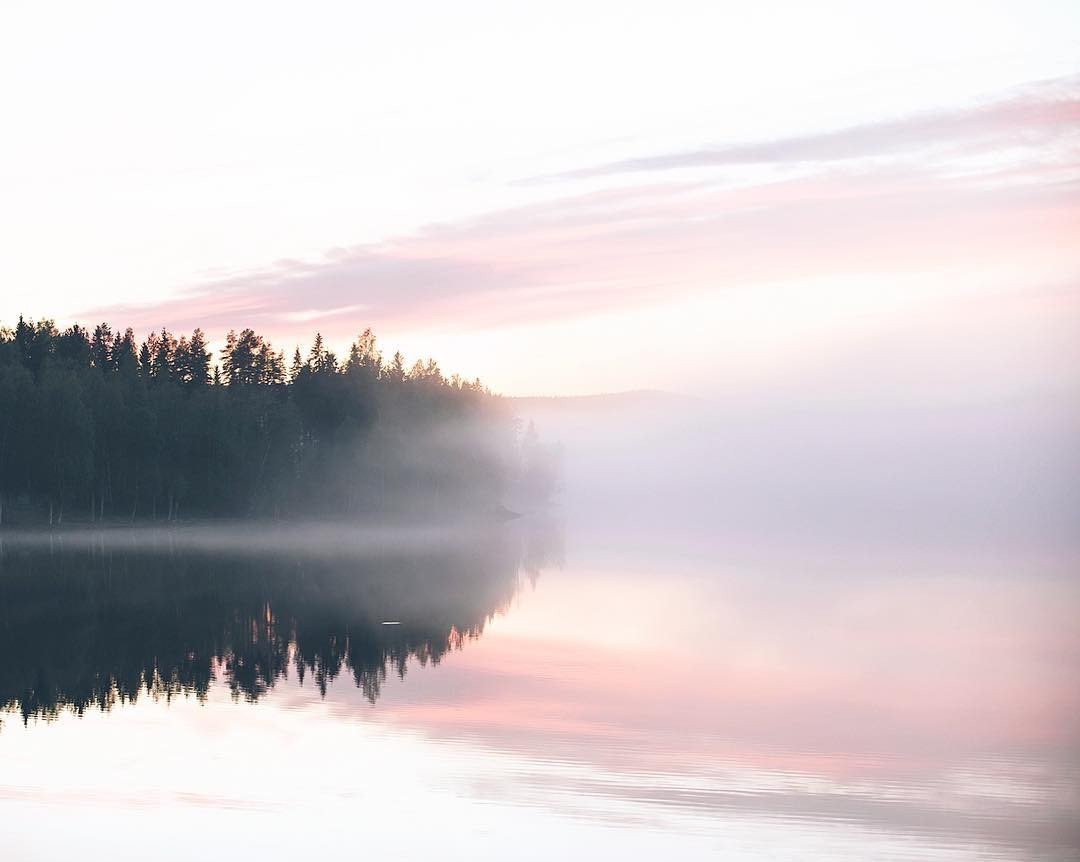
(914, 677)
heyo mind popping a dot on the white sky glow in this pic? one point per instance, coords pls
(476, 179)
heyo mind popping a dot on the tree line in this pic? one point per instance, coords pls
(98, 424)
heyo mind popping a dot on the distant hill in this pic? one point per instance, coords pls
(634, 399)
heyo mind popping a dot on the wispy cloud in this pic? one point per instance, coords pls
(602, 250)
(1033, 117)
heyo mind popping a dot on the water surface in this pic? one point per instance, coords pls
(530, 691)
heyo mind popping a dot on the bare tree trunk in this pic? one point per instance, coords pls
(50, 511)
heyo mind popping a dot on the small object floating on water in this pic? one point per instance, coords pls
(391, 622)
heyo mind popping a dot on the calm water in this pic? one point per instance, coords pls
(531, 691)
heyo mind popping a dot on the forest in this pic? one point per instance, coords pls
(95, 425)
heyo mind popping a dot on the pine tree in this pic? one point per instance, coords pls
(125, 354)
(198, 359)
(297, 365)
(317, 358)
(146, 360)
(164, 360)
(101, 348)
(396, 372)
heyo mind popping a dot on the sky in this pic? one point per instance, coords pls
(563, 198)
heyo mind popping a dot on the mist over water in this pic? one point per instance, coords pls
(786, 569)
(999, 476)
(790, 632)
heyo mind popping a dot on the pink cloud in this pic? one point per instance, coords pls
(1034, 116)
(642, 244)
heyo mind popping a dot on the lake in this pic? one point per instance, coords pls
(540, 689)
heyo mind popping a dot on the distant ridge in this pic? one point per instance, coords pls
(627, 398)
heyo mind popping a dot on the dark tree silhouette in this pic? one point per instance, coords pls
(92, 426)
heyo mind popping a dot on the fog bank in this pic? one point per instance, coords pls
(993, 475)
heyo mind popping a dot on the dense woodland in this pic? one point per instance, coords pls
(95, 425)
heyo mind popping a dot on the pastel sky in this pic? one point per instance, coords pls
(563, 197)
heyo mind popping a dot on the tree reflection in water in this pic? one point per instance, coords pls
(101, 618)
